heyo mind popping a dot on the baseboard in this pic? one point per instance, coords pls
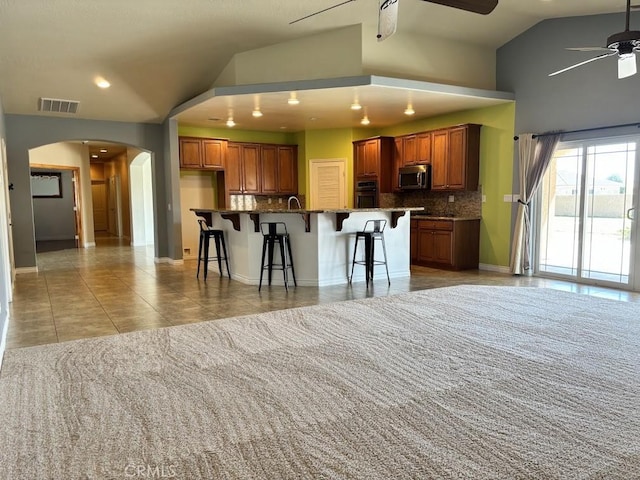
(494, 268)
(89, 244)
(168, 260)
(22, 270)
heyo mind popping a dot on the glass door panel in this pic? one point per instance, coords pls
(585, 226)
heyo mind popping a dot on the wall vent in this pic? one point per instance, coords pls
(57, 105)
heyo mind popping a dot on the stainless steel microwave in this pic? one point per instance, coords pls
(415, 177)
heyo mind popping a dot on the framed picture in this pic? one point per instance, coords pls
(46, 184)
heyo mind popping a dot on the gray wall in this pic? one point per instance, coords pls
(588, 96)
(54, 218)
(585, 97)
(25, 132)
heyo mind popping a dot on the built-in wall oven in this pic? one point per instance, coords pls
(366, 194)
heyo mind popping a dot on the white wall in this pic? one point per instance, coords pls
(196, 191)
(71, 155)
(141, 200)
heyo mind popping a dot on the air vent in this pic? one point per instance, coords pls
(57, 105)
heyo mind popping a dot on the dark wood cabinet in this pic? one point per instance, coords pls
(242, 175)
(279, 167)
(455, 158)
(445, 243)
(423, 147)
(374, 160)
(202, 153)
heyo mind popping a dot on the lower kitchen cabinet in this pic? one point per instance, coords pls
(453, 244)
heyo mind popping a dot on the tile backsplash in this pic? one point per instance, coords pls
(465, 204)
(260, 202)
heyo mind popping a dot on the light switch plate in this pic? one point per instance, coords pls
(508, 198)
(484, 198)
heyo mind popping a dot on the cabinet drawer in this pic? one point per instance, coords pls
(436, 225)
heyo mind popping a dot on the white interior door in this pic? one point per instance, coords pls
(327, 184)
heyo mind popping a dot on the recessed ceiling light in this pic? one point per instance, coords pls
(94, 156)
(257, 113)
(409, 110)
(102, 82)
(283, 128)
(103, 150)
(293, 99)
(365, 120)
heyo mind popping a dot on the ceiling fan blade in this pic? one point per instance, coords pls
(483, 7)
(321, 11)
(582, 63)
(627, 65)
(589, 49)
(387, 18)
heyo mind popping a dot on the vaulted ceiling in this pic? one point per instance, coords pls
(158, 54)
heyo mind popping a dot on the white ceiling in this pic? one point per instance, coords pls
(160, 53)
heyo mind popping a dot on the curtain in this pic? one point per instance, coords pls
(534, 157)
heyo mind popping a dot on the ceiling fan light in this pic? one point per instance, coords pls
(365, 120)
(627, 65)
(356, 106)
(231, 123)
(409, 110)
(257, 113)
(293, 99)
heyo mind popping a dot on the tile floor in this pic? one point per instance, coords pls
(114, 289)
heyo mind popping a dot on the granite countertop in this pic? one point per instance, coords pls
(282, 210)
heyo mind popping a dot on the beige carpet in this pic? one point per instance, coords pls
(462, 382)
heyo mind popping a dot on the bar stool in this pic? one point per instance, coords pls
(373, 230)
(206, 232)
(272, 233)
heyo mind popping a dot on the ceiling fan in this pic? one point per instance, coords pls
(388, 12)
(624, 44)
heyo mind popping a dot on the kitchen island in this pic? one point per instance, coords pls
(322, 242)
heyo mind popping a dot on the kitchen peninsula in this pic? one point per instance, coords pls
(322, 241)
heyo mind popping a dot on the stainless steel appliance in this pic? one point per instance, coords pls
(415, 177)
(366, 194)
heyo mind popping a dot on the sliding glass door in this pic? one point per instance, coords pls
(586, 210)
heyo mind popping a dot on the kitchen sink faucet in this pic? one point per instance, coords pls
(293, 197)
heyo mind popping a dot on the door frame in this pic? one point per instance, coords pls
(634, 254)
(77, 195)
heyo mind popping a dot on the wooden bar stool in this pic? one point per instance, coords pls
(206, 233)
(276, 233)
(373, 230)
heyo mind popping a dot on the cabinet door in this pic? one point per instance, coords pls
(233, 172)
(269, 168)
(439, 154)
(413, 240)
(287, 170)
(423, 147)
(425, 245)
(213, 153)
(251, 168)
(190, 152)
(442, 247)
(359, 154)
(410, 150)
(372, 157)
(457, 162)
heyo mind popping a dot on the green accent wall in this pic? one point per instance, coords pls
(234, 135)
(496, 170)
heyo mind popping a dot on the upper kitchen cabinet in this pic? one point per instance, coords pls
(279, 169)
(202, 153)
(455, 158)
(373, 158)
(242, 174)
(413, 149)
